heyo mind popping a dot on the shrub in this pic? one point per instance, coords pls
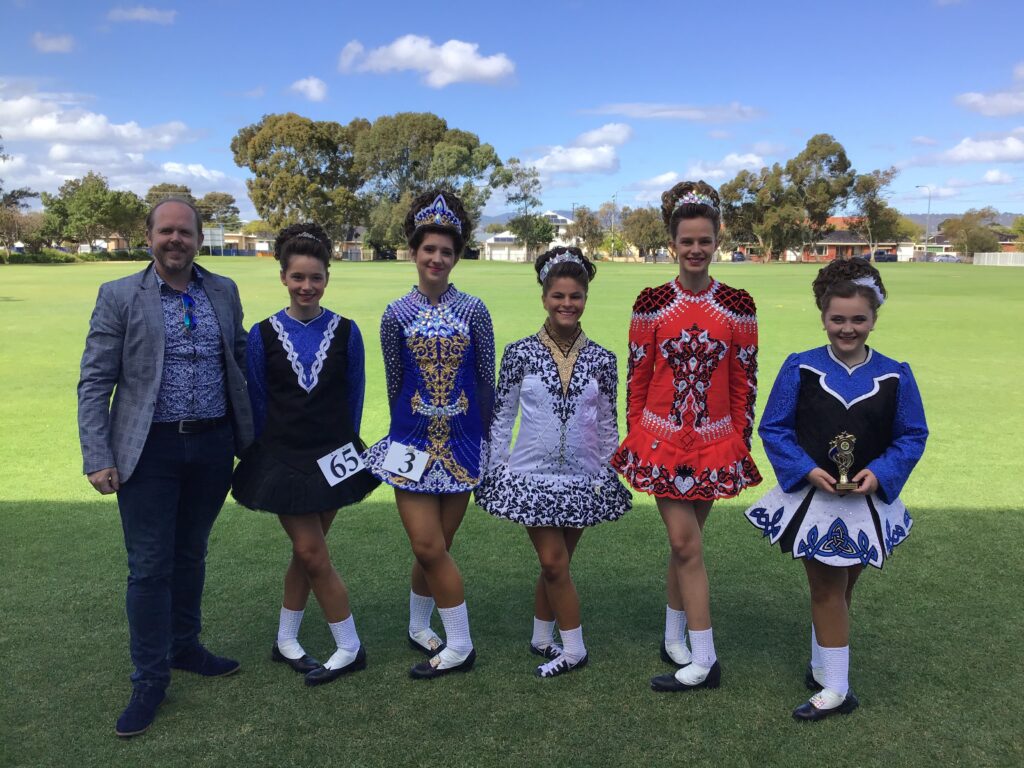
(45, 256)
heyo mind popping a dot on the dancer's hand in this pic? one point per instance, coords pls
(821, 480)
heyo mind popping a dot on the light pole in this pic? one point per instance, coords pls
(927, 218)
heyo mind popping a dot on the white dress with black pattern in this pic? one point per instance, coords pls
(558, 473)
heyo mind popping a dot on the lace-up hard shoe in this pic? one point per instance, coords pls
(140, 712)
(824, 703)
(560, 665)
(200, 661)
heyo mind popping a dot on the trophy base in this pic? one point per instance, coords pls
(847, 486)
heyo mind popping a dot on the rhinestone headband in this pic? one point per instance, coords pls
(308, 236)
(696, 198)
(870, 282)
(438, 213)
(561, 258)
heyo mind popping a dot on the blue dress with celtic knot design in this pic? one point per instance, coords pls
(815, 398)
(439, 364)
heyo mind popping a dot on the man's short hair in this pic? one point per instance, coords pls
(173, 199)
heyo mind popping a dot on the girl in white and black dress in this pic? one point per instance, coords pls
(556, 481)
(306, 380)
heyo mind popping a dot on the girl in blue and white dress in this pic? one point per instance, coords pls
(438, 348)
(825, 403)
(306, 380)
(556, 481)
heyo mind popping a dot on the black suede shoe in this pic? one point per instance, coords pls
(322, 674)
(551, 652)
(427, 650)
(140, 712)
(807, 711)
(302, 665)
(201, 662)
(668, 683)
(427, 671)
(809, 681)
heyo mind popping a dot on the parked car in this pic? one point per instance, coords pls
(384, 254)
(947, 258)
(881, 255)
(738, 256)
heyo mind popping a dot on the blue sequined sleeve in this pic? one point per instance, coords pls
(483, 340)
(909, 432)
(391, 347)
(256, 375)
(355, 376)
(778, 429)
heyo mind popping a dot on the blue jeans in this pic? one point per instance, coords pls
(168, 507)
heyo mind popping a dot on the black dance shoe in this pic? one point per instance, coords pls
(427, 670)
(322, 675)
(669, 683)
(811, 712)
(549, 652)
(432, 647)
(305, 663)
(560, 665)
(669, 660)
(809, 681)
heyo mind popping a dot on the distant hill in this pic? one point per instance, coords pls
(1005, 219)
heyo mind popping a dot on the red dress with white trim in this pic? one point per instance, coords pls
(691, 386)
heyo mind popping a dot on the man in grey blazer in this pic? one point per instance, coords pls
(168, 344)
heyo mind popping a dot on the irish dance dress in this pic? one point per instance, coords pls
(692, 381)
(558, 473)
(306, 382)
(439, 364)
(816, 397)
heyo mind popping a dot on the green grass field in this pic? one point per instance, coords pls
(934, 636)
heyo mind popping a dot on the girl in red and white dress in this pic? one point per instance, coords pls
(692, 381)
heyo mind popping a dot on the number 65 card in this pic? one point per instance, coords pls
(406, 461)
(340, 464)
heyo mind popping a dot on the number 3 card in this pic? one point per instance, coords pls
(340, 464)
(406, 461)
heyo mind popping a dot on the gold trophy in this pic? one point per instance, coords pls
(840, 451)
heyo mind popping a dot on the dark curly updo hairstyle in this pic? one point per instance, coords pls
(847, 278)
(564, 262)
(303, 240)
(436, 216)
(690, 200)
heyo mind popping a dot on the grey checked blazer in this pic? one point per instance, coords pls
(124, 356)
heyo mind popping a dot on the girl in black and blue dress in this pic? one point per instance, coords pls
(306, 381)
(438, 350)
(841, 406)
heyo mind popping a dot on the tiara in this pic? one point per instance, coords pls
(695, 198)
(561, 258)
(437, 213)
(870, 282)
(309, 236)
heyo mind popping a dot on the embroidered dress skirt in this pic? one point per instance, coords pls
(700, 472)
(560, 501)
(835, 530)
(263, 482)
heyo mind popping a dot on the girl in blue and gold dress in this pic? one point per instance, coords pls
(841, 409)
(438, 350)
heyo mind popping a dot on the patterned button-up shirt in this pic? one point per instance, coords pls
(192, 384)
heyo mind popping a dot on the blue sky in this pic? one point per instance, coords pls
(607, 99)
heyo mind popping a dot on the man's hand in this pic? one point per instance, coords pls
(822, 480)
(105, 480)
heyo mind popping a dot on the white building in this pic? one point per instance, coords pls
(505, 247)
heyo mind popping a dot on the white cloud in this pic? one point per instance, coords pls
(313, 88)
(997, 104)
(1007, 149)
(454, 61)
(615, 134)
(726, 167)
(649, 190)
(560, 159)
(721, 113)
(996, 176)
(924, 141)
(53, 43)
(143, 14)
(349, 54)
(45, 117)
(192, 171)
